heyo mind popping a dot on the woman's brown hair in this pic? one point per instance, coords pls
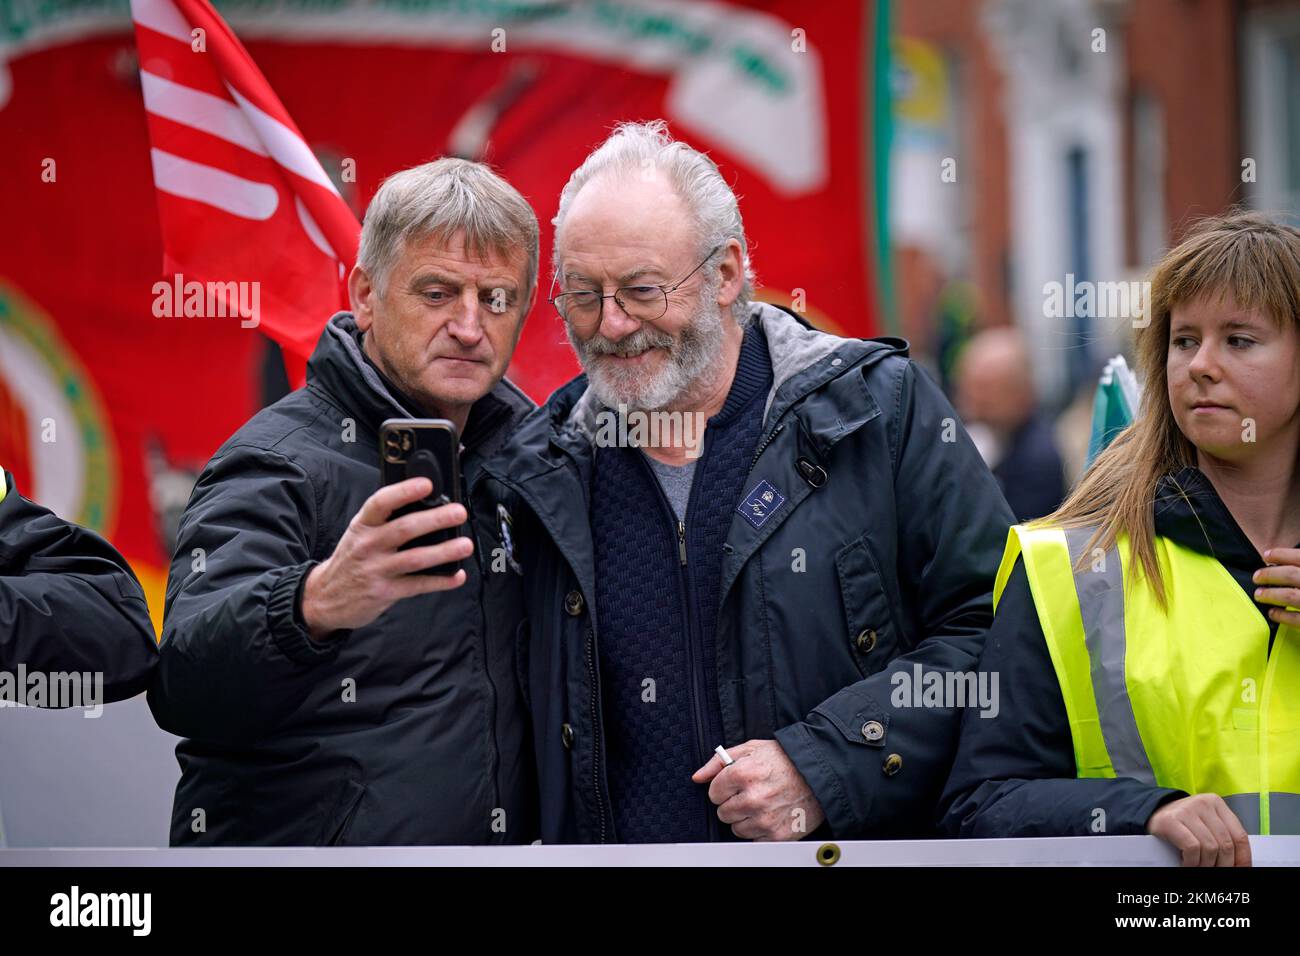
(1245, 254)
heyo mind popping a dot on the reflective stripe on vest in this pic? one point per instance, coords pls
(1100, 591)
(1188, 697)
(1283, 811)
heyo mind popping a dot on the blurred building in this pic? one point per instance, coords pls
(1049, 144)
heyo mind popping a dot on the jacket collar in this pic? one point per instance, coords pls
(803, 359)
(548, 458)
(1190, 511)
(340, 369)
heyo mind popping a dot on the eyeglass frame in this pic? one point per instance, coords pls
(666, 290)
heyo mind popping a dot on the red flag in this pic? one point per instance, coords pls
(252, 226)
(142, 402)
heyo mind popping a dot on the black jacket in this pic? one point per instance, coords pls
(407, 731)
(1030, 473)
(1014, 775)
(880, 557)
(69, 601)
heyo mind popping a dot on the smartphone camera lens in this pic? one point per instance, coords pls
(397, 443)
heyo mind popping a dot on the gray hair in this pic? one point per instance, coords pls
(442, 198)
(634, 147)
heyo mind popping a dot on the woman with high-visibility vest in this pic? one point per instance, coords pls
(1146, 638)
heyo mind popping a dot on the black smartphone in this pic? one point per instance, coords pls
(423, 448)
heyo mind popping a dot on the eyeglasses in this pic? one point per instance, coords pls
(582, 308)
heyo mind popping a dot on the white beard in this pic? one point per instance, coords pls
(687, 361)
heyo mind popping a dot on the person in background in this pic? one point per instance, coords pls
(998, 402)
(68, 601)
(1147, 633)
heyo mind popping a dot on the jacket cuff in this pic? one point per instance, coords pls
(284, 621)
(1156, 799)
(810, 759)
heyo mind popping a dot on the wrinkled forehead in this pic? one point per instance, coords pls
(462, 253)
(618, 225)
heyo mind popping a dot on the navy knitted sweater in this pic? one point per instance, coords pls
(658, 615)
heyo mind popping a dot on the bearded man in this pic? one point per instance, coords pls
(718, 628)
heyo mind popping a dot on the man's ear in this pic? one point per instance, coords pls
(362, 295)
(732, 272)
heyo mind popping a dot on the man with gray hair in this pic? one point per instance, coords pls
(330, 694)
(730, 589)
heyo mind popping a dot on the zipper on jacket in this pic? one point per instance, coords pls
(595, 729)
(689, 617)
(696, 666)
(762, 446)
(487, 664)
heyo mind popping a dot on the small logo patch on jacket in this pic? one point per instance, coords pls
(760, 503)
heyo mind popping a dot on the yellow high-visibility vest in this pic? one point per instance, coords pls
(1188, 698)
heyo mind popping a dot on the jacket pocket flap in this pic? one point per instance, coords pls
(868, 616)
(858, 717)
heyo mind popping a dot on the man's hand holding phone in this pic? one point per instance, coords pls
(368, 572)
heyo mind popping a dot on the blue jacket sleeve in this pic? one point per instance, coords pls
(951, 523)
(1014, 774)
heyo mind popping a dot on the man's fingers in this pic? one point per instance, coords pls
(732, 812)
(710, 770)
(417, 584)
(381, 505)
(398, 531)
(724, 787)
(715, 765)
(430, 556)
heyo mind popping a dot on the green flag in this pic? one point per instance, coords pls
(1114, 406)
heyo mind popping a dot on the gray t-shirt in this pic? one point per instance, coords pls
(676, 483)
